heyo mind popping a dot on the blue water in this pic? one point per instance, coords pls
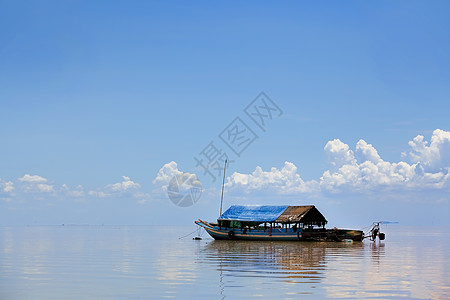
(120, 262)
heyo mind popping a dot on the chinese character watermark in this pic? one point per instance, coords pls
(237, 137)
(211, 157)
(262, 110)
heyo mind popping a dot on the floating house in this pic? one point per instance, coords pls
(276, 223)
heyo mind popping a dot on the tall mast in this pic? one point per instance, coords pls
(223, 183)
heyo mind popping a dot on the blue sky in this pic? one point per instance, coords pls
(96, 98)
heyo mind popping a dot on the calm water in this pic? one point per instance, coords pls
(111, 262)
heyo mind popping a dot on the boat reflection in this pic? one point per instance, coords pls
(288, 262)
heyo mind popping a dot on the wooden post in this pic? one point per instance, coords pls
(223, 183)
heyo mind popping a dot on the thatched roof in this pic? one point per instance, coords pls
(301, 214)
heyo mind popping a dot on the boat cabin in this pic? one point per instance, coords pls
(262, 217)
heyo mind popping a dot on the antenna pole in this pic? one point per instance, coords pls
(223, 183)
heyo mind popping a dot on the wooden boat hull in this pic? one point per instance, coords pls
(280, 234)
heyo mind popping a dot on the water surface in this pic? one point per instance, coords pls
(151, 262)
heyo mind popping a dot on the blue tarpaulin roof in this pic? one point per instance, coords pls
(253, 213)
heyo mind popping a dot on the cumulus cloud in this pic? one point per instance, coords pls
(125, 188)
(45, 188)
(182, 183)
(360, 170)
(357, 168)
(6, 186)
(433, 156)
(35, 184)
(366, 152)
(339, 154)
(364, 169)
(182, 188)
(285, 180)
(166, 173)
(32, 178)
(99, 194)
(169, 174)
(78, 192)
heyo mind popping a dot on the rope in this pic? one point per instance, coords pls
(200, 232)
(187, 234)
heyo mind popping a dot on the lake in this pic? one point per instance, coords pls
(152, 262)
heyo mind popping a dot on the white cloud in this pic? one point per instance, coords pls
(169, 174)
(175, 184)
(143, 197)
(339, 154)
(77, 192)
(183, 182)
(34, 184)
(430, 167)
(99, 194)
(367, 171)
(166, 173)
(366, 152)
(284, 181)
(123, 186)
(436, 155)
(352, 169)
(45, 188)
(32, 178)
(360, 170)
(6, 186)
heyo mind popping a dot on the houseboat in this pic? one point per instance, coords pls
(276, 223)
(279, 223)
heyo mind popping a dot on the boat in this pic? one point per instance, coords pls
(279, 223)
(276, 223)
